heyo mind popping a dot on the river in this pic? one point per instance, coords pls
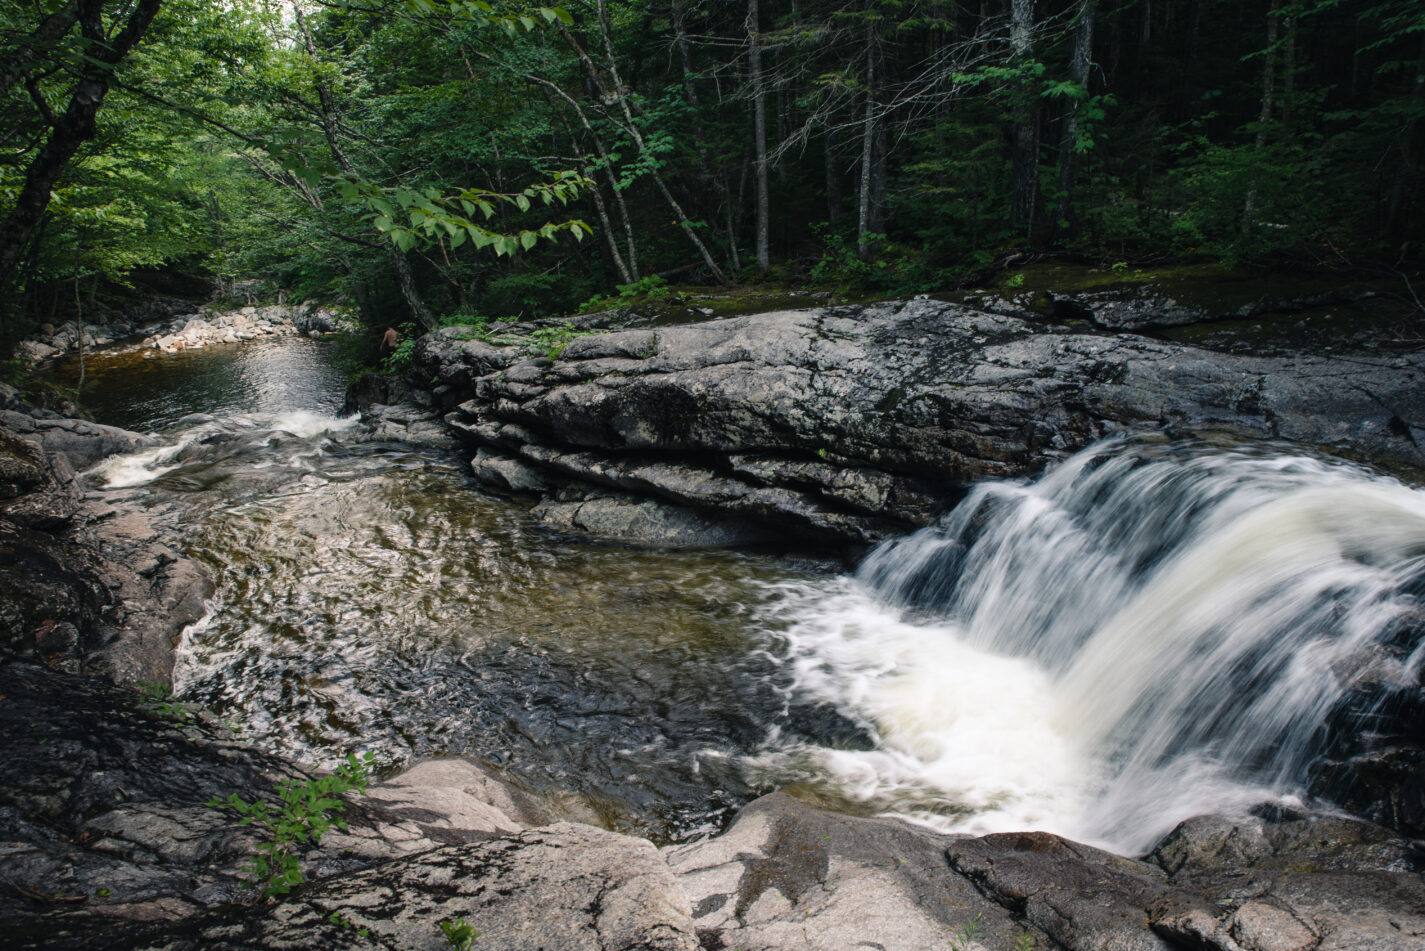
(1152, 630)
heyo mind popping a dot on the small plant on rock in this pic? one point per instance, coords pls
(459, 934)
(158, 699)
(553, 340)
(307, 812)
(968, 934)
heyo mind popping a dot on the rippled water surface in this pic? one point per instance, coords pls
(371, 597)
(1151, 630)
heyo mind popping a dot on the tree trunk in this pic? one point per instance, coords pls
(329, 117)
(598, 197)
(1068, 143)
(71, 130)
(680, 37)
(833, 176)
(1269, 64)
(868, 145)
(1025, 139)
(629, 270)
(759, 132)
(51, 29)
(876, 224)
(630, 128)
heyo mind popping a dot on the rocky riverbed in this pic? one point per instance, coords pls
(836, 425)
(109, 843)
(182, 325)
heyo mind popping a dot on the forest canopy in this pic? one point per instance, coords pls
(431, 158)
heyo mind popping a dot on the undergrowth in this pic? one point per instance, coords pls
(308, 810)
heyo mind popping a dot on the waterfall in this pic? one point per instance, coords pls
(1152, 630)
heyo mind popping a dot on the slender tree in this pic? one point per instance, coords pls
(101, 56)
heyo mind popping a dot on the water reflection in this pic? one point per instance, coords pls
(149, 390)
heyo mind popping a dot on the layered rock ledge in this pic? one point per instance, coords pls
(851, 423)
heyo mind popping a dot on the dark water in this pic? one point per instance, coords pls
(370, 597)
(148, 390)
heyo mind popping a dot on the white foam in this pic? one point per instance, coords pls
(139, 468)
(1138, 638)
(144, 466)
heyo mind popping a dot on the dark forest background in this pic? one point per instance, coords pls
(426, 158)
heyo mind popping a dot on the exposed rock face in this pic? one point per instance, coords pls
(790, 875)
(564, 887)
(82, 443)
(105, 824)
(852, 423)
(108, 842)
(171, 325)
(84, 584)
(1219, 883)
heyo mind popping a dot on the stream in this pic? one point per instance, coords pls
(1152, 630)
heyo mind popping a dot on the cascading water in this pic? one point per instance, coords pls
(1151, 631)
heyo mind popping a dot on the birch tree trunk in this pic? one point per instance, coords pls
(868, 144)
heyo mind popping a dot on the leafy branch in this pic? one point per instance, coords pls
(308, 810)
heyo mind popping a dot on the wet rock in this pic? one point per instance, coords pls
(373, 389)
(1319, 882)
(103, 811)
(1229, 884)
(83, 443)
(850, 424)
(502, 472)
(106, 829)
(452, 801)
(408, 422)
(455, 363)
(83, 586)
(22, 465)
(37, 350)
(50, 501)
(1150, 306)
(791, 875)
(566, 886)
(1133, 308)
(647, 522)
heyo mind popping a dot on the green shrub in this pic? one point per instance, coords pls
(305, 815)
(158, 698)
(398, 361)
(553, 340)
(458, 934)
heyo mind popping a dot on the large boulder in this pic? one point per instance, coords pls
(850, 424)
(791, 875)
(85, 584)
(81, 442)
